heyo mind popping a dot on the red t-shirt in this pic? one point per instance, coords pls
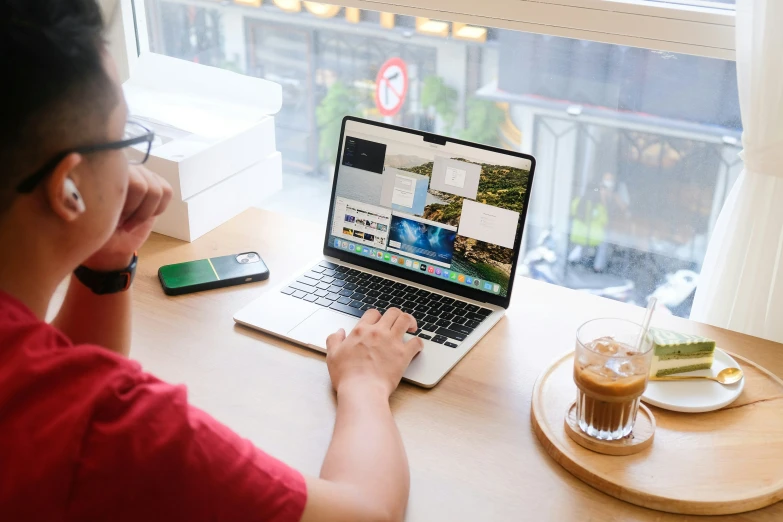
(86, 435)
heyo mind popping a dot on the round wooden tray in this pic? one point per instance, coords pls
(716, 463)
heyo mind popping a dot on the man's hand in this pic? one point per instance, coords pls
(374, 353)
(148, 196)
(105, 320)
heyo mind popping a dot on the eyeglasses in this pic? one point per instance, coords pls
(137, 142)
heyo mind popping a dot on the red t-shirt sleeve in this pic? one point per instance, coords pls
(148, 455)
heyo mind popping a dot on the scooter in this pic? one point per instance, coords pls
(677, 293)
(541, 263)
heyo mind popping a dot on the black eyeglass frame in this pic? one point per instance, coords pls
(29, 183)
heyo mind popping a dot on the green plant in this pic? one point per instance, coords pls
(442, 99)
(483, 118)
(340, 101)
(230, 65)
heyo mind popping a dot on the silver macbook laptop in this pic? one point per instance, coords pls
(424, 223)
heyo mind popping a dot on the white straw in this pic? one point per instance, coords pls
(646, 323)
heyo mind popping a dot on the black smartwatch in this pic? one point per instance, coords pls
(103, 283)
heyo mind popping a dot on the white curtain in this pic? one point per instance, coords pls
(741, 283)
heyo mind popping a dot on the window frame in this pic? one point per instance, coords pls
(700, 30)
(126, 32)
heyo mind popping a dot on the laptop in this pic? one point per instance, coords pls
(428, 224)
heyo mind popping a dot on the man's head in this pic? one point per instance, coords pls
(608, 181)
(60, 92)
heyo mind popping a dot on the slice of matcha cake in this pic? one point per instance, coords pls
(675, 352)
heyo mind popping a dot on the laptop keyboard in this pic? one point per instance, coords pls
(441, 319)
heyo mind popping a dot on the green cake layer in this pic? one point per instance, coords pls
(684, 356)
(667, 343)
(683, 369)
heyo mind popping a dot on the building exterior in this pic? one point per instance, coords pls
(651, 137)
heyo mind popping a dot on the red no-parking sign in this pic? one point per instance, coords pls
(391, 86)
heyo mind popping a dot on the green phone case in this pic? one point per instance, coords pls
(205, 274)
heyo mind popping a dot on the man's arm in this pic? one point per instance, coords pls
(365, 473)
(105, 320)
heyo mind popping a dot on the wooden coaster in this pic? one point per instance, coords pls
(640, 439)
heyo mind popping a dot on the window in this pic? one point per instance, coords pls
(721, 4)
(636, 148)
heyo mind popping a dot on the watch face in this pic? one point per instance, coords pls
(124, 281)
(102, 283)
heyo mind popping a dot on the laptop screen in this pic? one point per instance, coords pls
(450, 211)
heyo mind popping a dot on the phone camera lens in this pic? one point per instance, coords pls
(244, 260)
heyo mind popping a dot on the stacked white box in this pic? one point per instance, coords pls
(197, 215)
(215, 140)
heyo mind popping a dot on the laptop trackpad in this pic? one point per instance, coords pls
(315, 329)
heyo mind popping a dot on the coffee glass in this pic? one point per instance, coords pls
(610, 373)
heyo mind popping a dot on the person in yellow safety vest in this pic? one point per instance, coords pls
(589, 218)
(592, 215)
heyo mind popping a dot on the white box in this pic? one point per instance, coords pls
(191, 167)
(210, 123)
(194, 217)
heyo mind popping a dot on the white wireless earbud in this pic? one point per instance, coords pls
(73, 197)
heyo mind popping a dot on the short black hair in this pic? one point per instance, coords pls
(55, 89)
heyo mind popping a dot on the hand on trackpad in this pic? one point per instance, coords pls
(373, 356)
(315, 329)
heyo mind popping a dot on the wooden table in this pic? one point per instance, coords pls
(472, 452)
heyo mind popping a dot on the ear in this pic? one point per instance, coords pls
(59, 192)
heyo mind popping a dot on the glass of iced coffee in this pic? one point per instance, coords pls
(610, 372)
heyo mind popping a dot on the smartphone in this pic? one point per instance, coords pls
(215, 272)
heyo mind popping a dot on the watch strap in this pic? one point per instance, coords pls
(103, 283)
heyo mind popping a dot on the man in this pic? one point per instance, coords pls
(592, 214)
(85, 434)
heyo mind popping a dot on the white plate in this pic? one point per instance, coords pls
(699, 395)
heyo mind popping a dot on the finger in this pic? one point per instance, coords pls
(335, 339)
(388, 319)
(137, 189)
(149, 205)
(415, 326)
(371, 316)
(166, 194)
(413, 346)
(404, 323)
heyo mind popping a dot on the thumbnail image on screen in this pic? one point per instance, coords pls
(463, 226)
(423, 241)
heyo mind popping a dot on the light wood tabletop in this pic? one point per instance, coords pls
(472, 451)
